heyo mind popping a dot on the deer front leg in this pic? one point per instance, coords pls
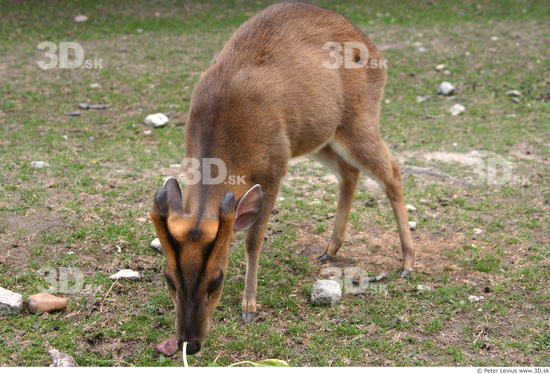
(253, 246)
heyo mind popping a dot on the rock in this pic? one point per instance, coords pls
(446, 73)
(420, 99)
(515, 100)
(412, 225)
(494, 38)
(326, 292)
(156, 245)
(44, 302)
(126, 274)
(410, 208)
(445, 89)
(457, 109)
(168, 347)
(419, 46)
(61, 360)
(139, 31)
(95, 85)
(440, 67)
(487, 289)
(93, 106)
(513, 93)
(39, 164)
(475, 299)
(99, 106)
(421, 288)
(73, 114)
(478, 231)
(81, 18)
(156, 120)
(146, 132)
(10, 302)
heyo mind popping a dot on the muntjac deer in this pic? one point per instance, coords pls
(272, 93)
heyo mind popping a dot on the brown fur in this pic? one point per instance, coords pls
(265, 99)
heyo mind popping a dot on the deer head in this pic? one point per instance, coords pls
(197, 252)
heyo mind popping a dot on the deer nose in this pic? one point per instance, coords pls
(192, 347)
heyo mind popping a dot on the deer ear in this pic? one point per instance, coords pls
(173, 200)
(248, 209)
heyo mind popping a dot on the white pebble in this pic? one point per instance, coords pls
(39, 164)
(457, 109)
(156, 120)
(126, 274)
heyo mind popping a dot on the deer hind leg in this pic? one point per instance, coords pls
(360, 144)
(348, 177)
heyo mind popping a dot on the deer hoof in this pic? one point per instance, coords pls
(248, 317)
(324, 257)
(404, 272)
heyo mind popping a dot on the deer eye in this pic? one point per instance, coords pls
(169, 281)
(216, 283)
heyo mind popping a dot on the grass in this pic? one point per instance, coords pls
(89, 209)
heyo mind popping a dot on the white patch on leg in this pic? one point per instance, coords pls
(342, 152)
(329, 163)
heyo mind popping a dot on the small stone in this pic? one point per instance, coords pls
(494, 38)
(475, 299)
(156, 120)
(168, 347)
(487, 289)
(457, 109)
(73, 114)
(146, 132)
(410, 208)
(126, 274)
(446, 73)
(10, 302)
(44, 302)
(83, 105)
(95, 85)
(60, 359)
(39, 164)
(421, 288)
(412, 225)
(326, 292)
(139, 31)
(440, 67)
(420, 99)
(445, 89)
(513, 93)
(156, 245)
(81, 18)
(515, 100)
(478, 231)
(99, 106)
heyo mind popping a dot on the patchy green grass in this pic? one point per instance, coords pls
(87, 211)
